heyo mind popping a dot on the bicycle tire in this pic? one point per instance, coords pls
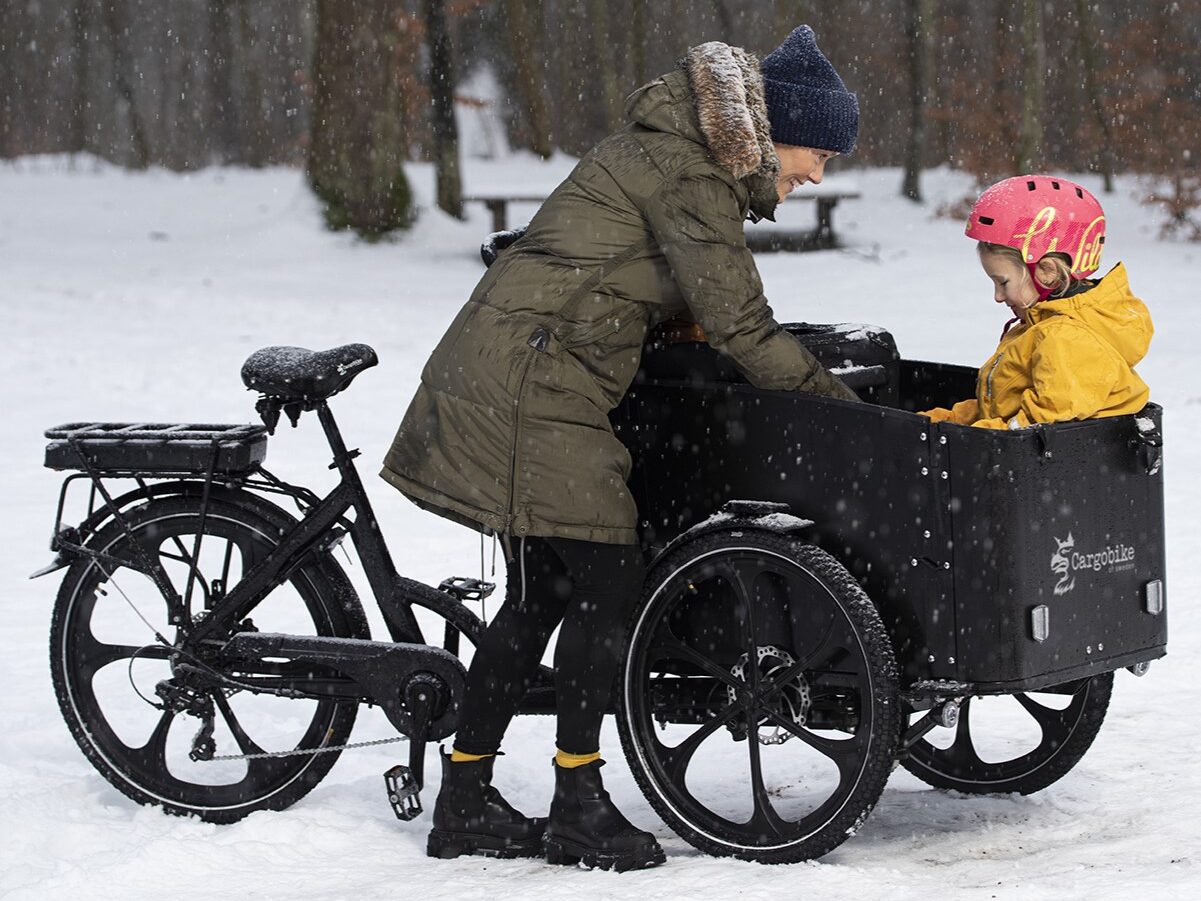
(78, 656)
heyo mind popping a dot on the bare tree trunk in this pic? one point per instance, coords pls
(1086, 34)
(790, 14)
(724, 20)
(940, 85)
(355, 158)
(8, 82)
(442, 110)
(523, 32)
(919, 32)
(81, 39)
(638, 43)
(117, 34)
(1034, 71)
(225, 127)
(255, 125)
(610, 97)
(1003, 38)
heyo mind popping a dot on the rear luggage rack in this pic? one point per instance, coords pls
(161, 448)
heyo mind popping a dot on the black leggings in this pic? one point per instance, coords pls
(591, 589)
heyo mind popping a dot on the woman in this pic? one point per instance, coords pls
(509, 430)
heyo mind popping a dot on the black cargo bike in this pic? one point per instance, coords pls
(833, 588)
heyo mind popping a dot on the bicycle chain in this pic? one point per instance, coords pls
(301, 752)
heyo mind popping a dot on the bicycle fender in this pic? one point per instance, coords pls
(769, 516)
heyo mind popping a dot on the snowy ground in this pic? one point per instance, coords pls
(137, 296)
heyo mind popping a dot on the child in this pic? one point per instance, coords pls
(1073, 342)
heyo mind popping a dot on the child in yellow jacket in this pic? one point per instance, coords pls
(1070, 348)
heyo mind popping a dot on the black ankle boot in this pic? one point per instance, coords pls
(471, 817)
(586, 828)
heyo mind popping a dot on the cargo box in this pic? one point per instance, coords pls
(1009, 560)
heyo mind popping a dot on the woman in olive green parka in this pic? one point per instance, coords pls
(509, 430)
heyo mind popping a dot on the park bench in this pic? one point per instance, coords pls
(763, 236)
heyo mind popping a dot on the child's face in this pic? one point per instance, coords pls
(1011, 280)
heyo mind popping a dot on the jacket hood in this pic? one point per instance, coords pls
(1110, 311)
(716, 98)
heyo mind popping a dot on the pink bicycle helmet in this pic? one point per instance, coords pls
(1037, 215)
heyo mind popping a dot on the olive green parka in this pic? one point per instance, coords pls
(509, 429)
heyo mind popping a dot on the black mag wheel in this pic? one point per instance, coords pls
(758, 707)
(106, 663)
(1013, 743)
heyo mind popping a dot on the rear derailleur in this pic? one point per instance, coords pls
(183, 699)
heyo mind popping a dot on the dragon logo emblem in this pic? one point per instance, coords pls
(1061, 564)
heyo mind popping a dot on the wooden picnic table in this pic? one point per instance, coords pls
(774, 236)
(758, 238)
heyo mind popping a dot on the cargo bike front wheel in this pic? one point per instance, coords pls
(1014, 743)
(126, 696)
(758, 707)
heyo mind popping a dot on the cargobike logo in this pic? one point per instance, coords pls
(1066, 561)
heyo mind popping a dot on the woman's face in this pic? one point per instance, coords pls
(1012, 284)
(799, 165)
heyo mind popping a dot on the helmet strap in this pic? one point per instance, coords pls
(1043, 291)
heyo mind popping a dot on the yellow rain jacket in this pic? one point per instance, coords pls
(1071, 359)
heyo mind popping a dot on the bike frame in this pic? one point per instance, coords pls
(323, 524)
(328, 512)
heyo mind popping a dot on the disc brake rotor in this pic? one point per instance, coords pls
(791, 702)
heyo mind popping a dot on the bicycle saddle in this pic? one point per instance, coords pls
(299, 374)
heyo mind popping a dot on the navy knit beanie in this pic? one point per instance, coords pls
(807, 103)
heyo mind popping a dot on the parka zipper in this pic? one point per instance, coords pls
(991, 370)
(537, 342)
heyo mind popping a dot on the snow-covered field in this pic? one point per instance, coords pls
(137, 296)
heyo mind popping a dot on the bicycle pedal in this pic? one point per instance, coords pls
(403, 792)
(467, 589)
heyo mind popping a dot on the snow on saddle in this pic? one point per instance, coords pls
(298, 374)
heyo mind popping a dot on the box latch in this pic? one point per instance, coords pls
(1040, 622)
(1153, 596)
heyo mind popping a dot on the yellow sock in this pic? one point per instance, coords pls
(457, 756)
(568, 761)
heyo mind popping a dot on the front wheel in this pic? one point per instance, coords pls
(109, 669)
(758, 706)
(1013, 743)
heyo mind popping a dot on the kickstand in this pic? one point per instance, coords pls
(404, 783)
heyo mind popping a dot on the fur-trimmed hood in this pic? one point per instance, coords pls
(716, 98)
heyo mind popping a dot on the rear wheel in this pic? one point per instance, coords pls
(106, 663)
(758, 703)
(1014, 743)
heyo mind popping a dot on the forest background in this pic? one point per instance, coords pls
(992, 87)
